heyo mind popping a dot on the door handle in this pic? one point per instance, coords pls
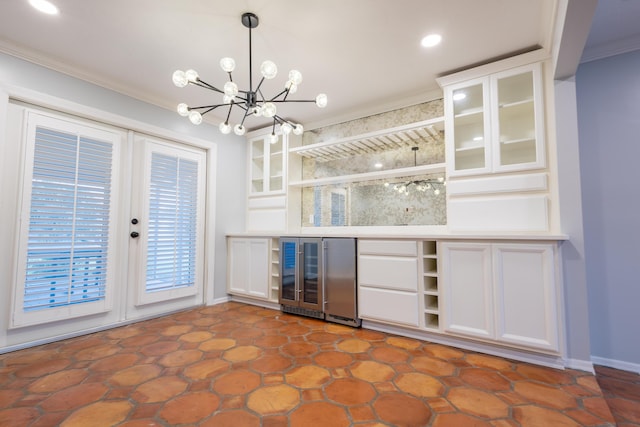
(134, 234)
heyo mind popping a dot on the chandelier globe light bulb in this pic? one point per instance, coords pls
(179, 78)
(269, 109)
(227, 64)
(230, 88)
(298, 129)
(268, 70)
(195, 117)
(225, 128)
(295, 77)
(273, 138)
(321, 100)
(183, 109)
(239, 130)
(191, 75)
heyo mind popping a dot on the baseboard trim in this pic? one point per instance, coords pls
(580, 365)
(222, 300)
(616, 364)
(485, 348)
(251, 301)
(88, 331)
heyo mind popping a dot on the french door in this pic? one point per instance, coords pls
(166, 227)
(111, 224)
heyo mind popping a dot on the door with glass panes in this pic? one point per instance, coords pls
(91, 215)
(166, 227)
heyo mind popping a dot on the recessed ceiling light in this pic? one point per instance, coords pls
(44, 6)
(459, 96)
(431, 40)
(378, 165)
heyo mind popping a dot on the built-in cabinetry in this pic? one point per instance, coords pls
(388, 281)
(398, 282)
(497, 174)
(494, 122)
(253, 268)
(501, 292)
(269, 204)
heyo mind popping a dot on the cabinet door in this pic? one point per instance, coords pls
(258, 166)
(248, 268)
(467, 127)
(258, 284)
(517, 119)
(267, 165)
(467, 289)
(525, 295)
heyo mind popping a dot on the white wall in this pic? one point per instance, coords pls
(608, 94)
(231, 151)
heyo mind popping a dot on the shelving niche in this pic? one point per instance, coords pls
(429, 285)
(274, 284)
(406, 136)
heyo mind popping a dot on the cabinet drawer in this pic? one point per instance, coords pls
(388, 247)
(388, 272)
(388, 305)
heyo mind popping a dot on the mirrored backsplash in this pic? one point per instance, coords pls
(376, 203)
(414, 200)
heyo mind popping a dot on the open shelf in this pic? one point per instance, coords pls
(373, 142)
(368, 176)
(430, 289)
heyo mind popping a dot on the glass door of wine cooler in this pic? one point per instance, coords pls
(301, 273)
(311, 274)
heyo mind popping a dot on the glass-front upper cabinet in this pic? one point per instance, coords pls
(494, 123)
(515, 126)
(267, 165)
(470, 120)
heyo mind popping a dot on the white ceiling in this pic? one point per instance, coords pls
(364, 54)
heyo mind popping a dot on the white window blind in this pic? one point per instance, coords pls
(68, 233)
(173, 223)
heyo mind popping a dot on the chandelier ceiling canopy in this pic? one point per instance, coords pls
(252, 101)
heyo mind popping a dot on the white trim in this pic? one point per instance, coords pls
(617, 364)
(580, 365)
(494, 350)
(616, 47)
(87, 331)
(499, 184)
(252, 301)
(216, 301)
(62, 105)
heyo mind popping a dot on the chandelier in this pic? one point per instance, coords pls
(422, 185)
(251, 101)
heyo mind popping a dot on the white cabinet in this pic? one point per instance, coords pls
(269, 203)
(504, 292)
(494, 123)
(267, 166)
(467, 289)
(388, 281)
(248, 269)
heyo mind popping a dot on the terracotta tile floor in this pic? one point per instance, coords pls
(239, 365)
(621, 390)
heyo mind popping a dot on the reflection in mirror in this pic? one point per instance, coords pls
(376, 203)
